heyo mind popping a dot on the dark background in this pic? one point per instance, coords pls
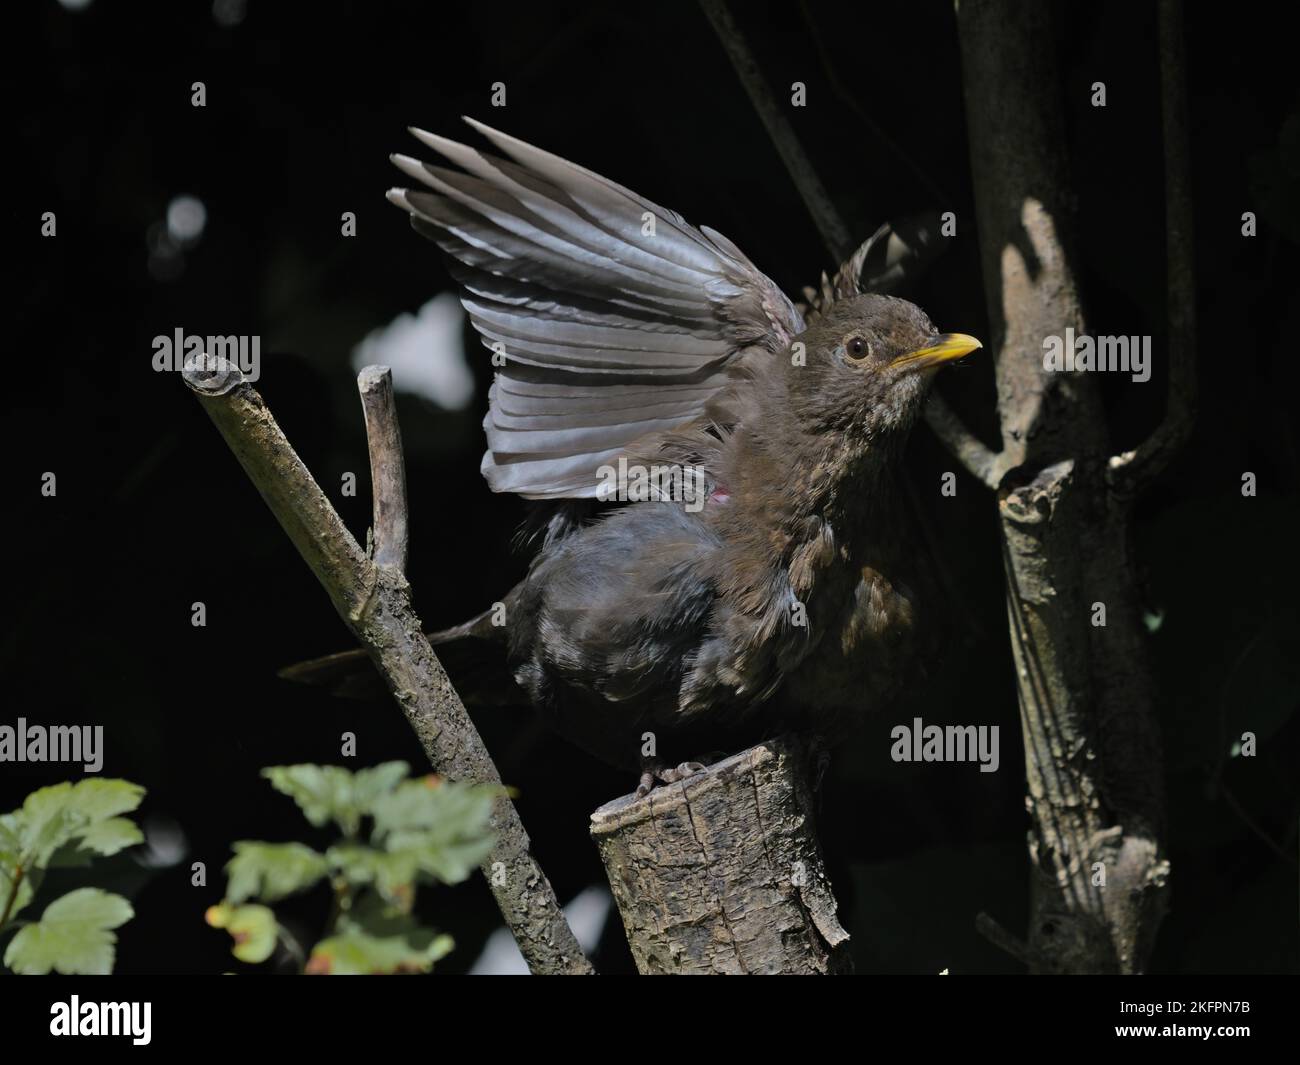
(304, 105)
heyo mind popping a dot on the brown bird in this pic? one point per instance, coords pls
(759, 579)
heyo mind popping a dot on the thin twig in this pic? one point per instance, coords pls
(387, 468)
(291, 945)
(14, 884)
(835, 234)
(921, 173)
(1004, 940)
(375, 604)
(1134, 470)
(1250, 823)
(979, 460)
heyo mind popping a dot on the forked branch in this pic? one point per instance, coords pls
(374, 601)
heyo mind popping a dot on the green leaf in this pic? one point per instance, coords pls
(320, 791)
(432, 803)
(393, 874)
(447, 860)
(442, 827)
(111, 836)
(332, 793)
(253, 928)
(100, 799)
(10, 844)
(370, 785)
(271, 871)
(46, 822)
(64, 813)
(73, 936)
(358, 952)
(376, 939)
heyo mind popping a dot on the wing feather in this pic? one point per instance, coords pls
(611, 333)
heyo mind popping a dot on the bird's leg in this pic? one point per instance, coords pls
(647, 782)
(653, 770)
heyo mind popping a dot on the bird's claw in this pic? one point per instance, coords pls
(653, 774)
(686, 769)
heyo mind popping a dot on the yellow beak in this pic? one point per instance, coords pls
(939, 350)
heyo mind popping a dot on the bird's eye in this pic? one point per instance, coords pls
(858, 348)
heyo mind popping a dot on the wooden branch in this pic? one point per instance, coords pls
(387, 468)
(375, 604)
(834, 233)
(1134, 470)
(722, 873)
(977, 458)
(1005, 941)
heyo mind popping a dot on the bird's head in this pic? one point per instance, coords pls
(864, 368)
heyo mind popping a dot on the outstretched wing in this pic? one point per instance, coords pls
(616, 317)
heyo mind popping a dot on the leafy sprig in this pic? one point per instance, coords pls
(395, 834)
(65, 825)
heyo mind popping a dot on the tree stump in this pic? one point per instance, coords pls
(722, 872)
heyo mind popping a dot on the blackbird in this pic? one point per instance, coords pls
(764, 584)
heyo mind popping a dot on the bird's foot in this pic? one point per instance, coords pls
(657, 772)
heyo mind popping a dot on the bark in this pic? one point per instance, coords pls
(722, 873)
(387, 467)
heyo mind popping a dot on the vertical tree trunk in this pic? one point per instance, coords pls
(1086, 699)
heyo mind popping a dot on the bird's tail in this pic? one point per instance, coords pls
(473, 654)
